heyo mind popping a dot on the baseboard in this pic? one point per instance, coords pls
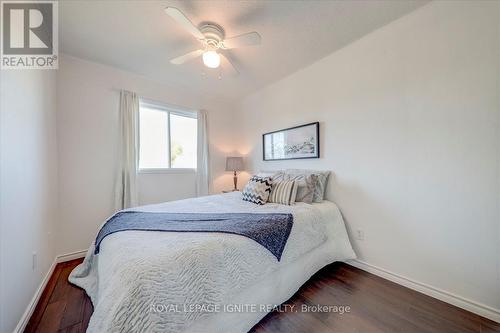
(34, 301)
(21, 325)
(445, 296)
(71, 256)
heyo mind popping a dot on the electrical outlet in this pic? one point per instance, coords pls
(33, 261)
(360, 234)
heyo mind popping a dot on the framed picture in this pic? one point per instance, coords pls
(291, 143)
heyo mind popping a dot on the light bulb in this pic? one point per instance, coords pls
(211, 59)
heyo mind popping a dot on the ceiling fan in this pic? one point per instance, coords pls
(212, 38)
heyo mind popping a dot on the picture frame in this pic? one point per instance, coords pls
(299, 142)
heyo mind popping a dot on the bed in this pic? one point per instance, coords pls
(151, 281)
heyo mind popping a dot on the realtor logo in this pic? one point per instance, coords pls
(29, 35)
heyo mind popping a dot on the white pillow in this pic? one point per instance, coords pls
(269, 173)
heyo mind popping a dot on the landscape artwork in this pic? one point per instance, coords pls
(292, 143)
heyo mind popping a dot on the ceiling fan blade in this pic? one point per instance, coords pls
(188, 56)
(180, 18)
(248, 39)
(227, 64)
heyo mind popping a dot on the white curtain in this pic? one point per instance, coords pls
(128, 151)
(202, 169)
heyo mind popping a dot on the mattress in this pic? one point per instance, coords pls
(146, 281)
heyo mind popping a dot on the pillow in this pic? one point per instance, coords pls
(278, 176)
(305, 186)
(283, 192)
(270, 173)
(319, 190)
(257, 190)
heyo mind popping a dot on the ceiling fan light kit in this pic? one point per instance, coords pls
(212, 38)
(214, 35)
(211, 59)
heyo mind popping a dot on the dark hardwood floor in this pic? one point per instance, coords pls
(376, 305)
(62, 307)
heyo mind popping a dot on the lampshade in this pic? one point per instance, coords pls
(234, 163)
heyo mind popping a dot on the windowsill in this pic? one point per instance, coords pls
(167, 171)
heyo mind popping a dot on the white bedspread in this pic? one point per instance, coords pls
(144, 281)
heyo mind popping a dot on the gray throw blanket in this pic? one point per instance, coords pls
(269, 230)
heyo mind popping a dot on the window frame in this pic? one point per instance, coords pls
(169, 109)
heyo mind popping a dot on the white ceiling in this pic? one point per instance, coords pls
(139, 37)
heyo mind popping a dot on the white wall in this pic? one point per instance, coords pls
(87, 111)
(410, 125)
(28, 186)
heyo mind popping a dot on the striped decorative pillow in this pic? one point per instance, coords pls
(284, 192)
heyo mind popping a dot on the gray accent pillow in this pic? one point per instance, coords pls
(305, 186)
(319, 190)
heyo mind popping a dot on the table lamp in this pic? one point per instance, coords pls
(234, 163)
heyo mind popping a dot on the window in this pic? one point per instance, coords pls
(167, 137)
